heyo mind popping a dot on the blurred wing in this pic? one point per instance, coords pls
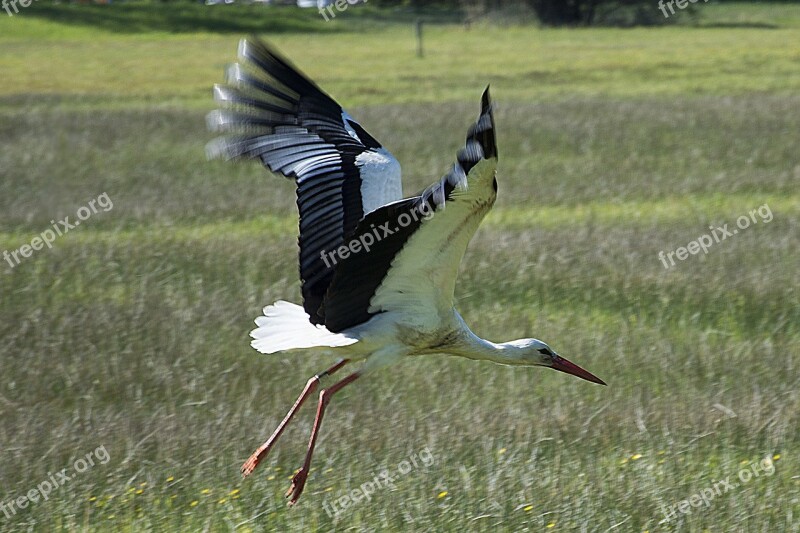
(283, 119)
(418, 242)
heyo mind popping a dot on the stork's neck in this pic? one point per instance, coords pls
(473, 347)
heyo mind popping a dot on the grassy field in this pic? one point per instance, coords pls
(127, 341)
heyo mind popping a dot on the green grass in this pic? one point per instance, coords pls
(79, 66)
(131, 333)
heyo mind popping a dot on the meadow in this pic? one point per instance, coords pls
(130, 335)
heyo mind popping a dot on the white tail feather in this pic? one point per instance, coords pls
(286, 326)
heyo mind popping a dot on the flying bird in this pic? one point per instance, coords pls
(377, 270)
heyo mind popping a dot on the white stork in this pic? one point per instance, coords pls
(377, 270)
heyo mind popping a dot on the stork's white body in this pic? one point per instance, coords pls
(413, 306)
(378, 342)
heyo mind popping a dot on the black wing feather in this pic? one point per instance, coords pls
(283, 119)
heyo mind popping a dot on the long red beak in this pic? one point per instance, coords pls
(562, 365)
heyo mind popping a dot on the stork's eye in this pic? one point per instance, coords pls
(545, 351)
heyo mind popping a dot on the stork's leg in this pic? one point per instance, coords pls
(265, 448)
(325, 395)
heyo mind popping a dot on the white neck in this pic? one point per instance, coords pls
(473, 347)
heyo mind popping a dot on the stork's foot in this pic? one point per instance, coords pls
(298, 483)
(252, 462)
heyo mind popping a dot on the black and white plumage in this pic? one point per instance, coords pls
(295, 129)
(378, 271)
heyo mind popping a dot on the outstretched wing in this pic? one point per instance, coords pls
(416, 245)
(280, 117)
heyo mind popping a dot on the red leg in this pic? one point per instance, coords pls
(299, 480)
(265, 448)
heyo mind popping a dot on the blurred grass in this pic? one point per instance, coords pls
(132, 331)
(78, 66)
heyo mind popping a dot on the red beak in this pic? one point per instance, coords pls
(562, 365)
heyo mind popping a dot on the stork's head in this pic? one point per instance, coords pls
(536, 352)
